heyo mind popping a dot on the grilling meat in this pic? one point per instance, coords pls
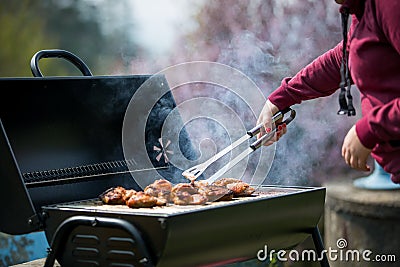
(183, 187)
(214, 192)
(128, 194)
(190, 177)
(141, 200)
(198, 199)
(160, 189)
(121, 196)
(187, 194)
(114, 196)
(162, 192)
(239, 188)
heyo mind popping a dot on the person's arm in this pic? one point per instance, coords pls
(319, 78)
(381, 124)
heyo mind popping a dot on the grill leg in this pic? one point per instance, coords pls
(319, 246)
(65, 228)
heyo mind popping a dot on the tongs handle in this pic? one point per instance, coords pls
(279, 115)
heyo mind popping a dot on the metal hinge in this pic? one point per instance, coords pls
(35, 221)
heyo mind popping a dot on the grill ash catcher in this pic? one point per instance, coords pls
(60, 147)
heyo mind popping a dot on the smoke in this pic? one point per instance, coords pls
(266, 41)
(254, 57)
(157, 22)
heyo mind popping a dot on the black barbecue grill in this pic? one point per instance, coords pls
(60, 147)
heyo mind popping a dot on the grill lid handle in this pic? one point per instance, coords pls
(57, 53)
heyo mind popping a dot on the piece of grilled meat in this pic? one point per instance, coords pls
(239, 188)
(141, 200)
(213, 192)
(114, 196)
(160, 189)
(187, 194)
(128, 194)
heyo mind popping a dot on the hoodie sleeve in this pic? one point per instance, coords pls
(320, 78)
(381, 124)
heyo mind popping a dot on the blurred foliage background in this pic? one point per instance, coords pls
(74, 25)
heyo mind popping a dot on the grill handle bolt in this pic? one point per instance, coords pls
(144, 260)
(45, 215)
(163, 223)
(94, 222)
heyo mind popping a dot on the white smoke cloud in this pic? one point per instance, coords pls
(159, 23)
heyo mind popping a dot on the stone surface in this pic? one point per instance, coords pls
(35, 263)
(358, 221)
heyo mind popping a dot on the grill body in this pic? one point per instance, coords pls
(190, 236)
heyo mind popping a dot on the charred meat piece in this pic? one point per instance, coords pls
(190, 177)
(198, 199)
(239, 188)
(187, 194)
(180, 188)
(113, 196)
(159, 186)
(160, 189)
(225, 181)
(182, 198)
(128, 194)
(200, 183)
(214, 192)
(141, 200)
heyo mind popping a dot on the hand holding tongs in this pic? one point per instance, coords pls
(196, 171)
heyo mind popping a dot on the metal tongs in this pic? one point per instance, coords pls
(194, 172)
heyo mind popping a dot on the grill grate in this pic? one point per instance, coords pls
(262, 193)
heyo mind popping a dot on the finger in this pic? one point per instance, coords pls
(284, 128)
(266, 131)
(347, 157)
(268, 143)
(261, 133)
(278, 135)
(353, 162)
(362, 165)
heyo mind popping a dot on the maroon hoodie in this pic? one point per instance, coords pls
(374, 62)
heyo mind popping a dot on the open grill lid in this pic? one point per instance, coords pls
(61, 140)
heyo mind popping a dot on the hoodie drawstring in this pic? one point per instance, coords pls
(346, 106)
